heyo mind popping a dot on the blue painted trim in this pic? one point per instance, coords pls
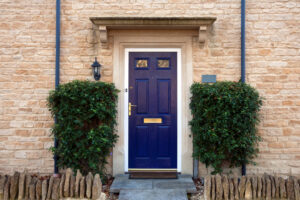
(243, 55)
(57, 59)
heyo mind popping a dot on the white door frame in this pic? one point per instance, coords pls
(126, 99)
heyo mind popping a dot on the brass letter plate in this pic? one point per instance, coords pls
(152, 120)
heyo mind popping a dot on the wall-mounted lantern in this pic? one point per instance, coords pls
(96, 69)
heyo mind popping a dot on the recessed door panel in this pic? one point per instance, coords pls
(142, 95)
(142, 141)
(163, 95)
(163, 141)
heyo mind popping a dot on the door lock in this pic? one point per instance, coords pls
(129, 108)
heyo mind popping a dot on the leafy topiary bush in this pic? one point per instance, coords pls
(225, 115)
(85, 113)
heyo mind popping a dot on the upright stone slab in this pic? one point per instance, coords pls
(38, 189)
(213, 187)
(67, 183)
(89, 182)
(296, 189)
(290, 188)
(219, 188)
(6, 188)
(97, 187)
(55, 189)
(49, 192)
(32, 188)
(242, 187)
(282, 188)
(259, 187)
(44, 189)
(27, 184)
(82, 187)
(21, 193)
(207, 187)
(77, 183)
(61, 186)
(231, 189)
(225, 185)
(14, 186)
(254, 186)
(2, 185)
(72, 186)
(276, 180)
(263, 192)
(268, 189)
(236, 187)
(273, 186)
(248, 189)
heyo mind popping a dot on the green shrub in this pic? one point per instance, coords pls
(225, 115)
(85, 113)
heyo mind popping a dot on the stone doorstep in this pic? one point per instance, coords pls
(122, 182)
(157, 194)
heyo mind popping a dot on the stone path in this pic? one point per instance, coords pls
(164, 189)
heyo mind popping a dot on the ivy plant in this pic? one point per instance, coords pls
(85, 114)
(225, 115)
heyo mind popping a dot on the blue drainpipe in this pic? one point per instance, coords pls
(243, 55)
(57, 56)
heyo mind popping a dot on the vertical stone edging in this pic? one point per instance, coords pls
(25, 186)
(265, 187)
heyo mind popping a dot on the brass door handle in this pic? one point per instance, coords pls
(129, 108)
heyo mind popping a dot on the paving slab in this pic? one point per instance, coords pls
(189, 187)
(122, 182)
(165, 194)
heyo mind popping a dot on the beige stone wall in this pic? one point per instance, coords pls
(27, 61)
(27, 54)
(273, 55)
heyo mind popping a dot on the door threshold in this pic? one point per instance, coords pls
(153, 173)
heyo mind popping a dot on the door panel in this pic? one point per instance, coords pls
(153, 119)
(163, 141)
(163, 95)
(142, 93)
(142, 134)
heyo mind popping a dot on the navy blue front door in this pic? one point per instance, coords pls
(152, 110)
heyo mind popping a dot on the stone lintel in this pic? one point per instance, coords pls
(200, 23)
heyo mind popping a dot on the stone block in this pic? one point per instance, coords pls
(50, 186)
(97, 187)
(225, 185)
(44, 189)
(14, 185)
(282, 188)
(77, 183)
(82, 187)
(55, 189)
(21, 192)
(67, 182)
(38, 189)
(248, 189)
(242, 187)
(89, 182)
(207, 187)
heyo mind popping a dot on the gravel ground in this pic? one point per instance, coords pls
(200, 189)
